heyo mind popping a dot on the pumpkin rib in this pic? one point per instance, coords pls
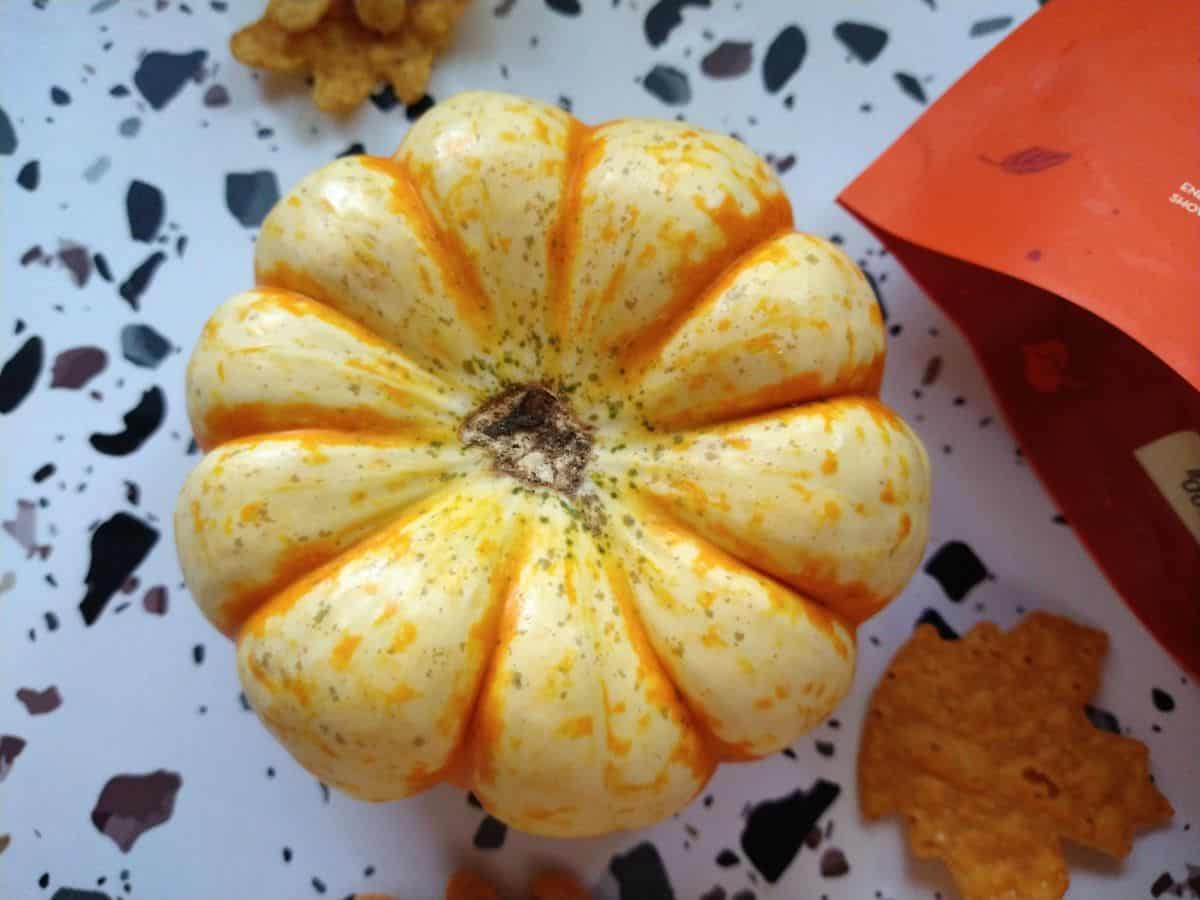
(443, 244)
(381, 664)
(660, 508)
(224, 425)
(702, 765)
(737, 418)
(493, 171)
(377, 259)
(658, 264)
(296, 588)
(309, 562)
(273, 344)
(459, 766)
(477, 732)
(640, 351)
(767, 334)
(853, 580)
(830, 630)
(618, 578)
(302, 304)
(742, 232)
(550, 694)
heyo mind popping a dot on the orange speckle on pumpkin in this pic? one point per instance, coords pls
(343, 651)
(199, 523)
(712, 638)
(830, 465)
(888, 494)
(257, 671)
(617, 746)
(402, 693)
(405, 634)
(325, 748)
(252, 512)
(801, 489)
(578, 727)
(764, 702)
(297, 688)
(831, 512)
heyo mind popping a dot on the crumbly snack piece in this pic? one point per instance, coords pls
(384, 16)
(468, 885)
(346, 58)
(297, 15)
(550, 885)
(983, 746)
(556, 886)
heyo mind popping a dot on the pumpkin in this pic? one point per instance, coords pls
(546, 460)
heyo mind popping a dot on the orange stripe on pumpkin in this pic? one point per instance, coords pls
(445, 245)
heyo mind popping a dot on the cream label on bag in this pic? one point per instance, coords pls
(1173, 464)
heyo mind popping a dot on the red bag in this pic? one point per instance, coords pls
(1050, 203)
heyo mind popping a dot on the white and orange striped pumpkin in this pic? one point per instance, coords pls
(545, 459)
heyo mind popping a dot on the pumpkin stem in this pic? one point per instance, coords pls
(532, 435)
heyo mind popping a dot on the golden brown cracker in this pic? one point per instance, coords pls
(407, 65)
(983, 745)
(550, 885)
(434, 20)
(556, 886)
(346, 58)
(297, 15)
(468, 885)
(384, 16)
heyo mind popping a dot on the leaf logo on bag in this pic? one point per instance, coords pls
(1028, 161)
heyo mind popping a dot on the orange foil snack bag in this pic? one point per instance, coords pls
(1049, 202)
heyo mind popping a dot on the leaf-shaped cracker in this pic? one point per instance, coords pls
(984, 747)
